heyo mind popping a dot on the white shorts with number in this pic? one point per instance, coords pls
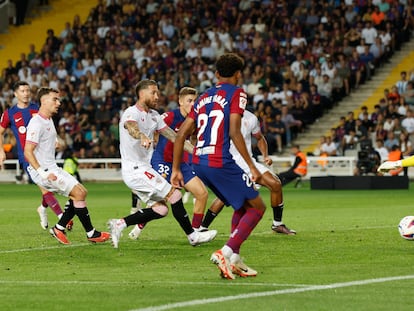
(147, 183)
(63, 185)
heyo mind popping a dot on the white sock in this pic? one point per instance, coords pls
(235, 258)
(277, 223)
(121, 224)
(227, 251)
(90, 233)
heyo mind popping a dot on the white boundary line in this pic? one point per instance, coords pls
(58, 246)
(196, 302)
(159, 283)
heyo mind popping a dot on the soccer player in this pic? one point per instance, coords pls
(137, 127)
(216, 118)
(298, 169)
(163, 154)
(17, 118)
(39, 151)
(250, 126)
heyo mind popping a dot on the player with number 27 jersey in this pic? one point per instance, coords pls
(211, 113)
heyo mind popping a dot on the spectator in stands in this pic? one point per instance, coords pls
(408, 124)
(276, 132)
(408, 94)
(329, 147)
(349, 141)
(292, 126)
(381, 149)
(391, 140)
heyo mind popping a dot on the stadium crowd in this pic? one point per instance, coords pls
(302, 58)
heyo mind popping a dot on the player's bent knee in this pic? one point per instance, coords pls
(174, 196)
(160, 209)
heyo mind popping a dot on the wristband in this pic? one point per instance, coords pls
(43, 173)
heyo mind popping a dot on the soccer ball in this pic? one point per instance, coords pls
(406, 227)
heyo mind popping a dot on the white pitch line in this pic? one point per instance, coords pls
(21, 250)
(167, 283)
(196, 302)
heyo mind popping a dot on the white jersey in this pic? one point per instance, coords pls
(42, 133)
(137, 172)
(249, 126)
(132, 153)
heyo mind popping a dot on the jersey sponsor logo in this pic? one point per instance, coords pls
(17, 120)
(242, 102)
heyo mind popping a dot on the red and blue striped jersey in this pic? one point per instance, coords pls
(17, 119)
(165, 148)
(211, 113)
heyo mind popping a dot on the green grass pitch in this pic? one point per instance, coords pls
(347, 255)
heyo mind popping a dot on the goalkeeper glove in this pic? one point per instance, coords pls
(388, 166)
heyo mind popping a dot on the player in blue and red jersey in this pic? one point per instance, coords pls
(216, 119)
(17, 117)
(162, 159)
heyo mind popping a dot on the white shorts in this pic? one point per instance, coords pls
(147, 183)
(261, 167)
(63, 185)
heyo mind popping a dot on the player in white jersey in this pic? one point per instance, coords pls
(250, 127)
(137, 127)
(40, 153)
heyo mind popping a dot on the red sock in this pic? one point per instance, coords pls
(51, 201)
(197, 219)
(246, 225)
(237, 215)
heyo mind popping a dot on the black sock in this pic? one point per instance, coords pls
(208, 219)
(67, 215)
(141, 217)
(278, 212)
(83, 215)
(134, 199)
(180, 214)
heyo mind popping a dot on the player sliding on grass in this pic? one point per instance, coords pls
(40, 153)
(17, 118)
(215, 118)
(163, 155)
(137, 127)
(250, 126)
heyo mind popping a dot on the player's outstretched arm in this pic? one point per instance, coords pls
(171, 135)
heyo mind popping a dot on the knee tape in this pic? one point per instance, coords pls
(160, 209)
(175, 196)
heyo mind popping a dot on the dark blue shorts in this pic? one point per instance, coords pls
(165, 170)
(230, 183)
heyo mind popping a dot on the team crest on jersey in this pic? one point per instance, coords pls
(22, 129)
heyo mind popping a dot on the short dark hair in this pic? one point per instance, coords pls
(19, 84)
(228, 64)
(44, 91)
(144, 84)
